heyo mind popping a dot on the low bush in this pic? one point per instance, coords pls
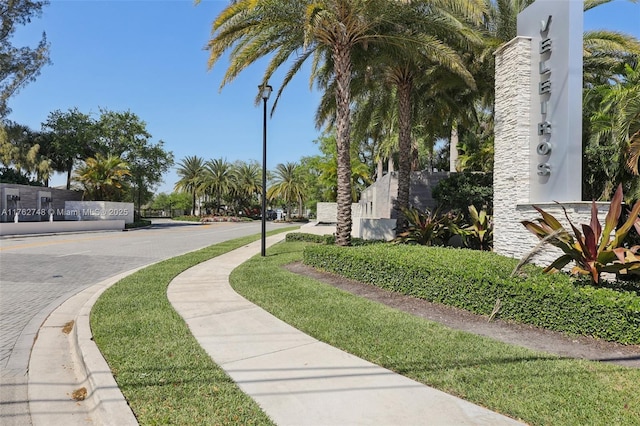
(208, 219)
(326, 239)
(481, 281)
(187, 218)
(310, 238)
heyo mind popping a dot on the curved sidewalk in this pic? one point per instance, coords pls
(296, 379)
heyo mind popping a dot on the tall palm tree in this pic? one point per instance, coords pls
(293, 31)
(103, 178)
(190, 170)
(289, 186)
(425, 36)
(217, 180)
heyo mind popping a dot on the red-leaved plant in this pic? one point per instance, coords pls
(594, 250)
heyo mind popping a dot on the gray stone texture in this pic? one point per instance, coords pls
(29, 201)
(511, 177)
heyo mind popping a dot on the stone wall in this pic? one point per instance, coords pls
(31, 207)
(378, 200)
(99, 210)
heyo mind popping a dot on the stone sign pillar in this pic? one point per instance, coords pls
(538, 126)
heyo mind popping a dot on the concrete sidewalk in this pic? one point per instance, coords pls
(296, 379)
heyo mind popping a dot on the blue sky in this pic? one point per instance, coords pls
(148, 56)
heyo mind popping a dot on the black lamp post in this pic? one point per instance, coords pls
(265, 92)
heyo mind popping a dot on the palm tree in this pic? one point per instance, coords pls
(288, 186)
(23, 150)
(615, 126)
(190, 170)
(247, 178)
(328, 30)
(424, 39)
(217, 180)
(103, 178)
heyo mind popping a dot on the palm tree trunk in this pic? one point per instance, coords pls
(300, 207)
(453, 148)
(342, 63)
(404, 147)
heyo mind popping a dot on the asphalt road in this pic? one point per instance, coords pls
(38, 273)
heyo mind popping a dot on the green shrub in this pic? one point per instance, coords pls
(462, 189)
(187, 218)
(475, 280)
(310, 238)
(326, 239)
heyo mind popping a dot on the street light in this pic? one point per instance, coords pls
(265, 92)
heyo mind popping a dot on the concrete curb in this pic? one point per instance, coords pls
(108, 405)
(54, 377)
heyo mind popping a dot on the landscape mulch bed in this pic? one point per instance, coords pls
(524, 335)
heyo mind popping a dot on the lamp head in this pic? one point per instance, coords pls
(265, 91)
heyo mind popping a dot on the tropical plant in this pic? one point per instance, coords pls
(103, 178)
(479, 234)
(328, 30)
(428, 228)
(217, 180)
(190, 170)
(594, 250)
(247, 186)
(288, 185)
(328, 169)
(423, 46)
(614, 143)
(23, 150)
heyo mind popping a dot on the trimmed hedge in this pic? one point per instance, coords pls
(310, 238)
(474, 280)
(325, 239)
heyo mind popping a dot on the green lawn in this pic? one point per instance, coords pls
(168, 379)
(535, 387)
(164, 374)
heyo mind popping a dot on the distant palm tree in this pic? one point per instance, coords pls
(190, 170)
(289, 186)
(23, 150)
(103, 178)
(217, 180)
(247, 186)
